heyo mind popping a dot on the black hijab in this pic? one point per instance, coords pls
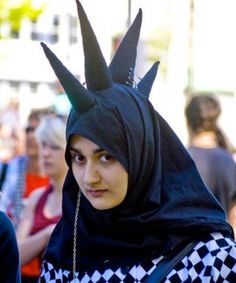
(166, 202)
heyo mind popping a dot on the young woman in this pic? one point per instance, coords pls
(209, 147)
(132, 198)
(43, 209)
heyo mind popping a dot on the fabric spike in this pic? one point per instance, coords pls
(125, 56)
(97, 74)
(145, 85)
(80, 98)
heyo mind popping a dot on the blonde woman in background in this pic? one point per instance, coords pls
(43, 209)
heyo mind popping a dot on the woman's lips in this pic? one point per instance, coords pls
(96, 193)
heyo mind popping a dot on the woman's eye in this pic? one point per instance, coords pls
(77, 158)
(106, 157)
(55, 147)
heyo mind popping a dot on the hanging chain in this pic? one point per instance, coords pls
(75, 234)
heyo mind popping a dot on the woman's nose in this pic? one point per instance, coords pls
(91, 174)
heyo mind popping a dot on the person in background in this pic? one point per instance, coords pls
(3, 171)
(44, 206)
(11, 145)
(210, 148)
(10, 114)
(9, 255)
(24, 173)
(11, 132)
(133, 199)
(11, 142)
(232, 214)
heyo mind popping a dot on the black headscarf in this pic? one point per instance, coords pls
(166, 202)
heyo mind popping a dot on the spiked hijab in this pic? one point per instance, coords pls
(166, 201)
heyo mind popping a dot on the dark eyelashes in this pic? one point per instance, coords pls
(79, 157)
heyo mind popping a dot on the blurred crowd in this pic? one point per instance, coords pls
(31, 178)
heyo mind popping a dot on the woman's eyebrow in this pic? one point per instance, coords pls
(98, 150)
(95, 151)
(74, 149)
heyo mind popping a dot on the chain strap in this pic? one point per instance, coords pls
(75, 235)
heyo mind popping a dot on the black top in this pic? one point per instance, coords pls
(9, 255)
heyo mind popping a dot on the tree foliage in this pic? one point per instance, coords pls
(14, 12)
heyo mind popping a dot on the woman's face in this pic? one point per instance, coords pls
(32, 148)
(101, 178)
(53, 160)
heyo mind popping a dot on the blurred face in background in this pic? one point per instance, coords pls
(31, 144)
(53, 160)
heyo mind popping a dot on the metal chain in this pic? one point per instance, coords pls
(75, 234)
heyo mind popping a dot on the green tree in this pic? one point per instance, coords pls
(13, 12)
